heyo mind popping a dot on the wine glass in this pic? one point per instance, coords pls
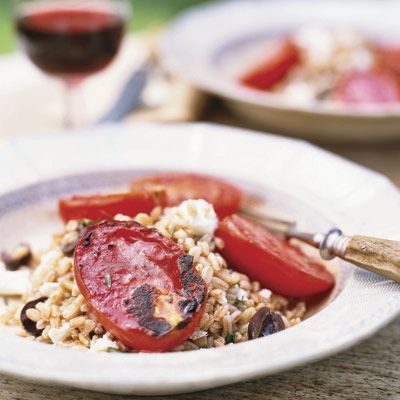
(71, 39)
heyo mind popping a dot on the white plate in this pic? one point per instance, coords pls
(209, 43)
(316, 187)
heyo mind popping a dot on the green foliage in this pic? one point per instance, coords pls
(146, 14)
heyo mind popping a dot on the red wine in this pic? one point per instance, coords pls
(70, 41)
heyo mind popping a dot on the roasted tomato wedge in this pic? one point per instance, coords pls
(281, 58)
(100, 207)
(225, 197)
(271, 260)
(363, 87)
(388, 56)
(140, 285)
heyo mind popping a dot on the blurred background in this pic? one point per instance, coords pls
(147, 14)
(335, 72)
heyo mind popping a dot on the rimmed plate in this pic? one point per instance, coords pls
(208, 44)
(316, 187)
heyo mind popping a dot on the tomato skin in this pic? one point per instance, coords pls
(179, 186)
(388, 56)
(367, 87)
(282, 58)
(100, 207)
(140, 285)
(271, 260)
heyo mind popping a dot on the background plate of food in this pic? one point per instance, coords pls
(160, 298)
(325, 70)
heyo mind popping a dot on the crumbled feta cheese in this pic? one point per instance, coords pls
(361, 59)
(240, 294)
(57, 335)
(328, 49)
(299, 91)
(318, 44)
(199, 217)
(103, 344)
(265, 293)
(48, 288)
(14, 283)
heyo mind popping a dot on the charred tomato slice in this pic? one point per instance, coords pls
(270, 259)
(140, 285)
(367, 87)
(180, 186)
(100, 207)
(283, 55)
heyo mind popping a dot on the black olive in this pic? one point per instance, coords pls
(29, 325)
(265, 322)
(21, 255)
(68, 246)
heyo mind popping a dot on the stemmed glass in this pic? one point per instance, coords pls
(71, 39)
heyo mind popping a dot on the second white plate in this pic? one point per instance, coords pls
(207, 43)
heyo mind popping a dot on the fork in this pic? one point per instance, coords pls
(379, 256)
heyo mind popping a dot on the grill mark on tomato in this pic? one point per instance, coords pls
(142, 306)
(192, 280)
(185, 263)
(183, 324)
(141, 301)
(188, 306)
(86, 242)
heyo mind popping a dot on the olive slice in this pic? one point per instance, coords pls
(265, 322)
(29, 325)
(19, 256)
(71, 239)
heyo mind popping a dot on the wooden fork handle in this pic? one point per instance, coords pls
(376, 255)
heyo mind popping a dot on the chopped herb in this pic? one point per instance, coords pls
(172, 232)
(86, 222)
(239, 302)
(230, 338)
(113, 350)
(108, 280)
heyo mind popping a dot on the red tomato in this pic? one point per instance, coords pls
(99, 207)
(362, 87)
(281, 58)
(179, 186)
(140, 285)
(388, 56)
(271, 260)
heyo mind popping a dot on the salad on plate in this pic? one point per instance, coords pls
(320, 63)
(169, 265)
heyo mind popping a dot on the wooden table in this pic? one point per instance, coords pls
(370, 370)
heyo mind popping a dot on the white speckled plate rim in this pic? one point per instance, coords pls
(357, 199)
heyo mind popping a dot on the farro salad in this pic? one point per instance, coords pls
(170, 265)
(340, 64)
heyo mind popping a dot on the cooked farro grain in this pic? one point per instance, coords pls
(66, 320)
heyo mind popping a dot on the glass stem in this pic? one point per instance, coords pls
(72, 109)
